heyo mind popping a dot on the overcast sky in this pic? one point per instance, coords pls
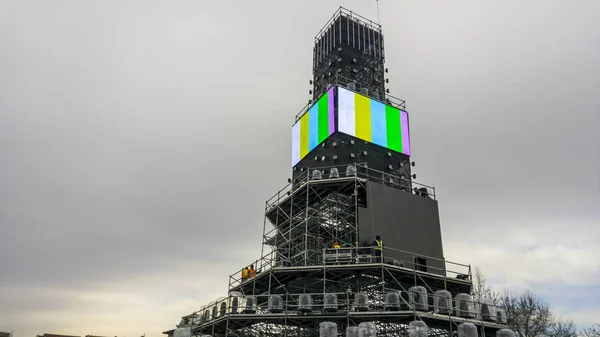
(140, 139)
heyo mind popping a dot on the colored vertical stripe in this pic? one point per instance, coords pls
(405, 133)
(323, 123)
(363, 117)
(378, 123)
(295, 144)
(313, 127)
(330, 109)
(346, 119)
(304, 135)
(357, 116)
(394, 139)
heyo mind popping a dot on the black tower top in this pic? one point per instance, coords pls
(351, 117)
(349, 48)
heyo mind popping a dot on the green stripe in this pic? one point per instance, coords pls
(393, 129)
(323, 117)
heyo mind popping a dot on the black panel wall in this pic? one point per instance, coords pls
(405, 221)
(341, 149)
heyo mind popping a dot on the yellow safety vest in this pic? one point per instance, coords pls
(379, 244)
(336, 246)
(245, 273)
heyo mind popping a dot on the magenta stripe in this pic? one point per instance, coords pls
(405, 132)
(330, 105)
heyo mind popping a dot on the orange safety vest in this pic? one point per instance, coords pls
(252, 272)
(336, 245)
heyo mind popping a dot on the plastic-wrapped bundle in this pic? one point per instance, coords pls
(501, 316)
(250, 307)
(222, 308)
(367, 329)
(275, 304)
(465, 306)
(467, 330)
(305, 303)
(334, 173)
(200, 316)
(417, 329)
(183, 332)
(392, 301)
(330, 303)
(418, 298)
(442, 302)
(505, 333)
(352, 331)
(206, 336)
(350, 171)
(197, 319)
(328, 329)
(235, 302)
(316, 175)
(207, 312)
(215, 310)
(488, 310)
(361, 302)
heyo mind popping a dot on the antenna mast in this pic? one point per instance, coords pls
(379, 23)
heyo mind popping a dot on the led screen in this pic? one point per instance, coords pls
(314, 126)
(373, 121)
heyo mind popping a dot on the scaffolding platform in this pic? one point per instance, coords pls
(293, 199)
(274, 279)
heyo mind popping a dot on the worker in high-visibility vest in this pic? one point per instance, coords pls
(378, 247)
(336, 245)
(244, 274)
(251, 271)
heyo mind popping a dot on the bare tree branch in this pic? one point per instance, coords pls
(592, 331)
(482, 290)
(527, 314)
(562, 328)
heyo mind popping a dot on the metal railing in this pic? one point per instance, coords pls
(361, 171)
(348, 13)
(405, 260)
(433, 305)
(342, 81)
(399, 258)
(261, 265)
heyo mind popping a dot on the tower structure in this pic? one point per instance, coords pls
(323, 268)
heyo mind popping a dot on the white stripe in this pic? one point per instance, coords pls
(346, 117)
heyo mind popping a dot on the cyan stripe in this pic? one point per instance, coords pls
(313, 127)
(378, 129)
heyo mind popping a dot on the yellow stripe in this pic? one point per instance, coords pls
(304, 135)
(362, 106)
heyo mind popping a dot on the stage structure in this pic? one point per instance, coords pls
(320, 272)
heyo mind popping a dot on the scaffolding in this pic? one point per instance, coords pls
(294, 300)
(319, 208)
(313, 273)
(302, 281)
